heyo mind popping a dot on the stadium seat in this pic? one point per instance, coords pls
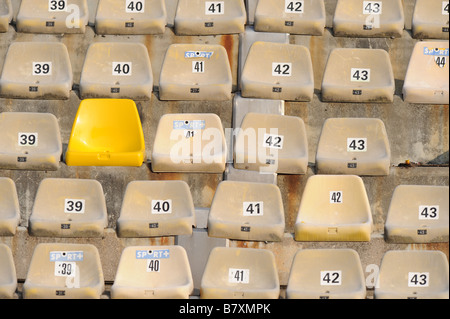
(8, 276)
(240, 273)
(195, 72)
(430, 19)
(31, 141)
(147, 272)
(117, 70)
(200, 17)
(418, 214)
(131, 17)
(189, 142)
(326, 274)
(171, 209)
(106, 132)
(413, 274)
(6, 14)
(9, 207)
(272, 143)
(358, 75)
(278, 71)
(355, 146)
(64, 271)
(305, 17)
(68, 207)
(427, 76)
(361, 18)
(247, 211)
(36, 70)
(334, 208)
(51, 16)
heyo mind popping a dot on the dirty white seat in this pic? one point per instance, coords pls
(30, 141)
(358, 75)
(357, 146)
(9, 207)
(36, 70)
(6, 14)
(334, 208)
(413, 274)
(240, 273)
(418, 214)
(65, 207)
(8, 276)
(430, 19)
(427, 76)
(294, 17)
(326, 274)
(130, 17)
(64, 271)
(117, 70)
(147, 272)
(156, 208)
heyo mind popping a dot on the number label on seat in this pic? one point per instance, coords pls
(331, 278)
(153, 265)
(162, 206)
(372, 7)
(429, 212)
(122, 68)
(418, 279)
(65, 269)
(356, 144)
(42, 68)
(74, 206)
(253, 208)
(27, 139)
(336, 197)
(214, 7)
(281, 69)
(57, 5)
(198, 66)
(360, 75)
(238, 276)
(273, 141)
(132, 6)
(294, 6)
(445, 8)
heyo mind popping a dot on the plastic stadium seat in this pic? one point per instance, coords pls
(418, 214)
(52, 16)
(131, 17)
(427, 76)
(6, 14)
(9, 207)
(334, 208)
(358, 75)
(355, 146)
(326, 274)
(171, 209)
(189, 142)
(31, 141)
(160, 272)
(66, 207)
(278, 71)
(8, 277)
(372, 18)
(240, 273)
(430, 19)
(36, 70)
(106, 132)
(200, 17)
(289, 16)
(195, 72)
(64, 271)
(247, 211)
(413, 274)
(272, 143)
(117, 70)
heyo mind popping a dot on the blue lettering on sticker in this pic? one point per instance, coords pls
(66, 256)
(152, 254)
(197, 54)
(189, 125)
(435, 51)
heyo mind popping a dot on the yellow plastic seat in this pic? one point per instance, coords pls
(6, 14)
(106, 132)
(8, 276)
(9, 207)
(430, 19)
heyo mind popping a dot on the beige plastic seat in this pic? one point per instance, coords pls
(30, 141)
(200, 17)
(427, 76)
(44, 16)
(195, 72)
(171, 209)
(147, 272)
(356, 146)
(65, 207)
(117, 70)
(413, 274)
(278, 71)
(374, 18)
(418, 214)
(9, 207)
(430, 19)
(64, 271)
(240, 273)
(6, 14)
(334, 208)
(189, 142)
(247, 211)
(358, 75)
(326, 274)
(131, 17)
(8, 276)
(294, 17)
(272, 143)
(36, 70)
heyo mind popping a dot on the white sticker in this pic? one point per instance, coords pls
(360, 75)
(65, 269)
(372, 7)
(74, 206)
(132, 6)
(445, 8)
(42, 68)
(356, 144)
(238, 276)
(198, 66)
(331, 278)
(418, 279)
(281, 69)
(214, 7)
(162, 206)
(153, 265)
(336, 197)
(429, 212)
(27, 139)
(253, 208)
(122, 68)
(57, 5)
(273, 141)
(294, 6)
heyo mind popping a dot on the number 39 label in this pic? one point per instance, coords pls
(74, 206)
(28, 139)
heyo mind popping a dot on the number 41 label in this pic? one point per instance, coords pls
(238, 276)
